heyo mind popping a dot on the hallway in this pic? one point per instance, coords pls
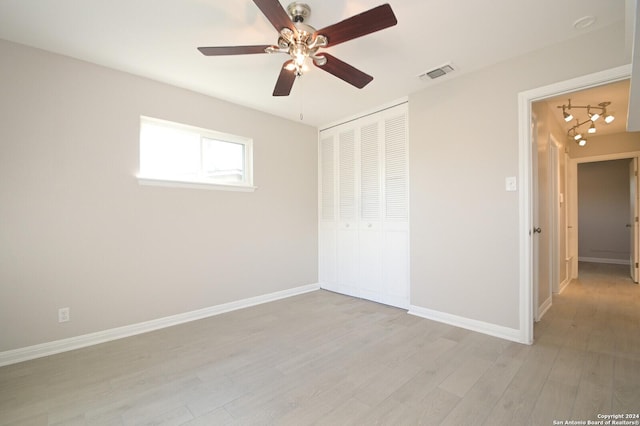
(594, 326)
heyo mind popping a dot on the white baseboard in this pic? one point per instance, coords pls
(603, 260)
(563, 285)
(50, 348)
(544, 307)
(506, 333)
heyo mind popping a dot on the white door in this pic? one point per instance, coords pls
(370, 213)
(364, 208)
(347, 239)
(541, 215)
(535, 256)
(554, 217)
(633, 217)
(396, 210)
(327, 237)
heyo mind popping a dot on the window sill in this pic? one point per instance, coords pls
(194, 185)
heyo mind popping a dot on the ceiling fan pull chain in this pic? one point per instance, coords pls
(301, 85)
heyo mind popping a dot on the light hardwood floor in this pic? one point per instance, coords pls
(323, 358)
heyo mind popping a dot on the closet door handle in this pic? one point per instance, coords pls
(537, 230)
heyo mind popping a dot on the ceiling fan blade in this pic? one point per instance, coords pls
(344, 71)
(285, 80)
(368, 22)
(232, 50)
(276, 14)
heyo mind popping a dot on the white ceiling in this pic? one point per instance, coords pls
(158, 39)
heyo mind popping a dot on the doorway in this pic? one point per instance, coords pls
(606, 210)
(527, 226)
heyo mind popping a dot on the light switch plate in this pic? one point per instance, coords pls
(510, 184)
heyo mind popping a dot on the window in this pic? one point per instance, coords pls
(173, 154)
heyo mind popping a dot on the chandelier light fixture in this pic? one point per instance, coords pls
(593, 114)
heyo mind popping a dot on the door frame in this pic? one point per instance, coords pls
(535, 216)
(572, 169)
(633, 199)
(525, 203)
(554, 252)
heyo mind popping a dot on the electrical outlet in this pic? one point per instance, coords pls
(63, 315)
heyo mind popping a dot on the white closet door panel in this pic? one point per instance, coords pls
(327, 178)
(347, 260)
(396, 170)
(347, 175)
(370, 252)
(370, 172)
(395, 267)
(364, 208)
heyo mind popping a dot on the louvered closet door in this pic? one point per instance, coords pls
(395, 265)
(327, 202)
(347, 234)
(370, 235)
(364, 208)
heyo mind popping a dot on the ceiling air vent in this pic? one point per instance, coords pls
(436, 72)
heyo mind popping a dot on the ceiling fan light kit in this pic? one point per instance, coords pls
(593, 114)
(301, 41)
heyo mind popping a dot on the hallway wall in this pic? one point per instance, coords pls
(606, 144)
(603, 211)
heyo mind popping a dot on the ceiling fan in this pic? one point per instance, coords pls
(301, 41)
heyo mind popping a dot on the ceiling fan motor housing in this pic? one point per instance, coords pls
(298, 11)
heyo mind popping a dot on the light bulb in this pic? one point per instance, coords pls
(582, 142)
(299, 55)
(592, 128)
(578, 136)
(594, 116)
(609, 119)
(567, 116)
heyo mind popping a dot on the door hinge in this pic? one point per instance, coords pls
(636, 173)
(636, 218)
(636, 264)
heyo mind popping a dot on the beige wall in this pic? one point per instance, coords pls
(463, 143)
(606, 144)
(78, 231)
(603, 211)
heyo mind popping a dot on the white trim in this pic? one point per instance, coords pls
(572, 171)
(564, 284)
(467, 323)
(544, 307)
(556, 214)
(50, 348)
(193, 185)
(603, 260)
(606, 157)
(525, 99)
(379, 108)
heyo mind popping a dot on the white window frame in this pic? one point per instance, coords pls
(246, 185)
